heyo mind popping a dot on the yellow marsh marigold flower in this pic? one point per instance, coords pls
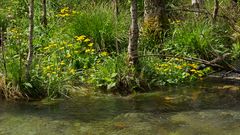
(76, 52)
(74, 12)
(87, 40)
(62, 48)
(65, 9)
(193, 65)
(87, 50)
(70, 45)
(48, 68)
(90, 45)
(179, 67)
(193, 70)
(104, 54)
(68, 55)
(46, 48)
(72, 71)
(92, 50)
(80, 38)
(62, 63)
(64, 42)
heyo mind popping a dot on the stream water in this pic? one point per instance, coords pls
(204, 108)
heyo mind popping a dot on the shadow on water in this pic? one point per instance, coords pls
(198, 96)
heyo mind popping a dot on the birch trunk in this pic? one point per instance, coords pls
(116, 13)
(30, 40)
(133, 35)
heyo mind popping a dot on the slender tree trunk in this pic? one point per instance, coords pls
(234, 3)
(215, 12)
(2, 40)
(116, 13)
(44, 13)
(30, 40)
(155, 18)
(197, 5)
(133, 35)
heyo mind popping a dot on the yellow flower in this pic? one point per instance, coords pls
(179, 67)
(72, 71)
(64, 10)
(193, 65)
(88, 50)
(76, 52)
(92, 50)
(87, 40)
(68, 55)
(46, 48)
(104, 53)
(70, 45)
(74, 12)
(62, 63)
(90, 45)
(61, 48)
(193, 70)
(80, 38)
(48, 67)
(178, 21)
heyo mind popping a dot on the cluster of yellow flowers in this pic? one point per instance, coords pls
(191, 68)
(83, 38)
(65, 12)
(58, 69)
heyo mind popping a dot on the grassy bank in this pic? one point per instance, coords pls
(84, 44)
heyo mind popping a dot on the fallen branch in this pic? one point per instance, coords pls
(212, 63)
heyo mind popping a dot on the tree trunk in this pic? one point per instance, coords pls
(155, 18)
(30, 40)
(44, 14)
(133, 35)
(116, 13)
(197, 4)
(234, 3)
(2, 40)
(215, 12)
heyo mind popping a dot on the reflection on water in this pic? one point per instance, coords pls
(199, 109)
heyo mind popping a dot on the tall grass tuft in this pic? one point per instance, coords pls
(99, 23)
(198, 38)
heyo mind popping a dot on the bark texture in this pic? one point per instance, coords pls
(2, 40)
(30, 40)
(215, 12)
(116, 13)
(198, 3)
(133, 35)
(155, 18)
(234, 3)
(44, 13)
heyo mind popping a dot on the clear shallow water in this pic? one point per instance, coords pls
(199, 109)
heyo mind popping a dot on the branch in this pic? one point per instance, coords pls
(212, 63)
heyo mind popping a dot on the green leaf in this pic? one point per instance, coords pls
(28, 85)
(111, 85)
(114, 75)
